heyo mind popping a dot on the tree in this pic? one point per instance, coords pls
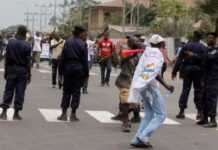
(170, 15)
(210, 7)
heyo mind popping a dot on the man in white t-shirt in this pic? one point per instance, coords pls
(145, 90)
(37, 49)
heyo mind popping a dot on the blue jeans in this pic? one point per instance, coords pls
(155, 114)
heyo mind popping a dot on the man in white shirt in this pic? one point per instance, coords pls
(57, 45)
(37, 49)
(145, 90)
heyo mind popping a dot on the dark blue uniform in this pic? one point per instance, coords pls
(211, 85)
(191, 70)
(17, 72)
(74, 67)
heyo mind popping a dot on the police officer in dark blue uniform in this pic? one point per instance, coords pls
(209, 100)
(74, 68)
(191, 71)
(17, 73)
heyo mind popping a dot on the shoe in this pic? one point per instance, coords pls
(181, 114)
(202, 122)
(136, 119)
(140, 144)
(126, 127)
(60, 86)
(73, 117)
(63, 117)
(17, 116)
(118, 117)
(53, 86)
(3, 115)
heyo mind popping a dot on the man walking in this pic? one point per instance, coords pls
(144, 89)
(57, 45)
(17, 73)
(106, 49)
(74, 68)
(37, 49)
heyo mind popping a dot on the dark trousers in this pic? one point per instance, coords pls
(196, 80)
(55, 64)
(15, 85)
(106, 66)
(86, 82)
(210, 99)
(71, 93)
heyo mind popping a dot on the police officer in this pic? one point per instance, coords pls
(211, 82)
(191, 71)
(74, 68)
(17, 73)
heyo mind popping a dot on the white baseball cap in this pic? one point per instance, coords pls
(155, 39)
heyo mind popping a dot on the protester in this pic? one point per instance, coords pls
(191, 71)
(37, 49)
(106, 49)
(123, 82)
(17, 73)
(57, 45)
(74, 68)
(144, 89)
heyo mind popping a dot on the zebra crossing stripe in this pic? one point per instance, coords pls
(167, 121)
(50, 115)
(10, 114)
(44, 71)
(102, 116)
(2, 69)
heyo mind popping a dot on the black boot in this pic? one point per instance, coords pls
(126, 127)
(212, 123)
(17, 115)
(63, 116)
(73, 117)
(181, 114)
(203, 121)
(136, 118)
(3, 115)
(85, 91)
(119, 115)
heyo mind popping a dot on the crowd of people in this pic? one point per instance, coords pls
(142, 69)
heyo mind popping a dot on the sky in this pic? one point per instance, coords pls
(12, 11)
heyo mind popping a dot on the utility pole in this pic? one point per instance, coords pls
(124, 17)
(27, 20)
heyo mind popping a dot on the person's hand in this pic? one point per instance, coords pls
(171, 88)
(189, 54)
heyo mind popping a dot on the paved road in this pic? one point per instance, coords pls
(40, 131)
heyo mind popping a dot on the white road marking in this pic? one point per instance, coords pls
(167, 121)
(191, 116)
(44, 71)
(2, 69)
(50, 115)
(10, 114)
(102, 116)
